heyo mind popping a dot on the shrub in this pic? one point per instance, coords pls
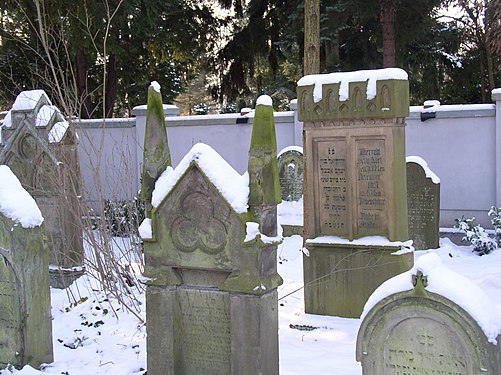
(123, 217)
(477, 236)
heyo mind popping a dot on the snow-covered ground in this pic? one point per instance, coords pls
(96, 337)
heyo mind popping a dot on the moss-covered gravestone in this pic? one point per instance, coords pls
(429, 320)
(40, 147)
(423, 204)
(211, 301)
(25, 317)
(355, 207)
(290, 172)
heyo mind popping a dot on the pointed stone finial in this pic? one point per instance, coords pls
(156, 157)
(264, 186)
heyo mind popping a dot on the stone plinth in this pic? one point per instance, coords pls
(355, 178)
(423, 204)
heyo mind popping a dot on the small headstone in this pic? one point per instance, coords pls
(212, 295)
(25, 312)
(444, 325)
(40, 147)
(423, 204)
(290, 172)
(354, 186)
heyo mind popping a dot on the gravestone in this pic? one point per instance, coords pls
(423, 204)
(25, 315)
(211, 300)
(433, 328)
(355, 210)
(290, 173)
(41, 149)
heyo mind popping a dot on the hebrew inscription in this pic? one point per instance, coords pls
(371, 193)
(205, 314)
(333, 186)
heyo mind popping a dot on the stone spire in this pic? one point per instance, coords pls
(264, 186)
(156, 157)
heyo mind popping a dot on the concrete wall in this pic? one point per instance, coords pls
(461, 144)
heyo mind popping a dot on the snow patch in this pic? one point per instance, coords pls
(7, 121)
(156, 86)
(44, 115)
(264, 100)
(363, 241)
(15, 202)
(428, 172)
(252, 232)
(58, 131)
(449, 284)
(232, 186)
(290, 148)
(496, 91)
(145, 230)
(28, 100)
(345, 78)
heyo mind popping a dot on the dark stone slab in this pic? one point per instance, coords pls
(290, 172)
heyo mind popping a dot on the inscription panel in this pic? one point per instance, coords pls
(205, 331)
(425, 347)
(371, 179)
(423, 207)
(332, 179)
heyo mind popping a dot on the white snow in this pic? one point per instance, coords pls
(291, 213)
(15, 202)
(363, 241)
(27, 100)
(7, 121)
(145, 230)
(345, 78)
(431, 103)
(264, 100)
(44, 115)
(232, 186)
(58, 131)
(428, 172)
(156, 86)
(449, 284)
(453, 107)
(496, 91)
(252, 232)
(290, 148)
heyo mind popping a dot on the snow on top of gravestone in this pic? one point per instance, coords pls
(7, 121)
(28, 100)
(496, 91)
(344, 78)
(44, 115)
(428, 172)
(15, 202)
(449, 284)
(264, 100)
(58, 131)
(232, 186)
(155, 85)
(290, 148)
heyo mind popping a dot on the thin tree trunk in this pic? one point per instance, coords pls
(387, 18)
(111, 85)
(82, 87)
(311, 60)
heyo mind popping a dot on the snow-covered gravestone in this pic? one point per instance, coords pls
(211, 301)
(423, 204)
(25, 317)
(355, 209)
(40, 147)
(429, 320)
(290, 172)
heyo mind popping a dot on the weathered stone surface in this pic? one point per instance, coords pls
(41, 149)
(290, 172)
(423, 207)
(212, 299)
(25, 316)
(419, 332)
(355, 186)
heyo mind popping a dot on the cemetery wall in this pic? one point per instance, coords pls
(460, 144)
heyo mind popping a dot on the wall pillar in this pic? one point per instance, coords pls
(496, 98)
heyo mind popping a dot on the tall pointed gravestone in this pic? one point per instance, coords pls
(211, 300)
(355, 207)
(25, 317)
(41, 149)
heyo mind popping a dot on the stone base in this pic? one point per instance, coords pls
(203, 331)
(291, 230)
(61, 278)
(339, 278)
